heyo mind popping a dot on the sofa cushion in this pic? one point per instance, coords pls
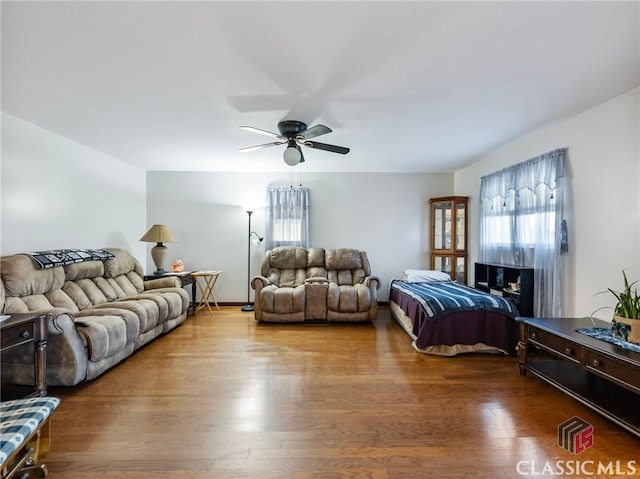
(77, 295)
(288, 278)
(349, 299)
(172, 302)
(93, 292)
(123, 263)
(315, 263)
(282, 300)
(346, 266)
(145, 309)
(21, 278)
(88, 292)
(104, 335)
(343, 258)
(59, 299)
(87, 269)
(129, 284)
(130, 319)
(316, 257)
(288, 258)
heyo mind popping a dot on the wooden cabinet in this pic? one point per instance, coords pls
(512, 282)
(449, 236)
(601, 375)
(18, 330)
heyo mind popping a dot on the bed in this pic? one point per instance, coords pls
(447, 318)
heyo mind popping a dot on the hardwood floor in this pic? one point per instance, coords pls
(223, 396)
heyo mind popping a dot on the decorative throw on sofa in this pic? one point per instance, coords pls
(62, 257)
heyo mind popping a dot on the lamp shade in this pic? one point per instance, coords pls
(159, 234)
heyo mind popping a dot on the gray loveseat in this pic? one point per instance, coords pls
(101, 312)
(298, 284)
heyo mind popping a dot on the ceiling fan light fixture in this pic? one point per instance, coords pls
(292, 155)
(295, 134)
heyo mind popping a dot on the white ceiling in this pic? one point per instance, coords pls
(408, 86)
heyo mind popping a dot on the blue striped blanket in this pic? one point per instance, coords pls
(440, 298)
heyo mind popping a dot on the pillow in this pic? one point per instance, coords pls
(424, 275)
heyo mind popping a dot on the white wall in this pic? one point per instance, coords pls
(385, 215)
(602, 200)
(59, 194)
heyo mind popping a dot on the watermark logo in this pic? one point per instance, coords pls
(575, 435)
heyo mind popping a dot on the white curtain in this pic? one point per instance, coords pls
(521, 224)
(287, 218)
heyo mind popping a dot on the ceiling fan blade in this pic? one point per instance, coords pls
(260, 147)
(259, 131)
(314, 131)
(323, 146)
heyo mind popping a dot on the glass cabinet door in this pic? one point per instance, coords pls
(442, 263)
(461, 269)
(442, 214)
(461, 221)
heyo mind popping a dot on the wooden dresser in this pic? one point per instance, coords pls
(600, 375)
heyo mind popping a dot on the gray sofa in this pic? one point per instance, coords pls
(298, 284)
(101, 312)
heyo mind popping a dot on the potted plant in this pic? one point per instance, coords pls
(625, 323)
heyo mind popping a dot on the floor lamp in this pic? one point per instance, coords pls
(257, 239)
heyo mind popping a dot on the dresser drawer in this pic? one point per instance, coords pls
(555, 344)
(16, 335)
(621, 372)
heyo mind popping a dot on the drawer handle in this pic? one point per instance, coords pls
(26, 334)
(534, 335)
(597, 363)
(568, 351)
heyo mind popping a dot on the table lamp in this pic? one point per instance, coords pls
(159, 234)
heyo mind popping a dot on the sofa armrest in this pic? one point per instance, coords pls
(166, 282)
(66, 354)
(259, 282)
(58, 320)
(372, 282)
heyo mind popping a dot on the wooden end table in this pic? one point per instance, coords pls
(25, 328)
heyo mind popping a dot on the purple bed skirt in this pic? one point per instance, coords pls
(468, 328)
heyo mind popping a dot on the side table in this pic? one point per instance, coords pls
(186, 278)
(205, 286)
(25, 328)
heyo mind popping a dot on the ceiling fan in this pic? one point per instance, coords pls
(295, 134)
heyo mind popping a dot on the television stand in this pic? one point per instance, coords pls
(601, 375)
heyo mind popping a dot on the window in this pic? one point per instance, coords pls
(520, 224)
(509, 224)
(287, 219)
